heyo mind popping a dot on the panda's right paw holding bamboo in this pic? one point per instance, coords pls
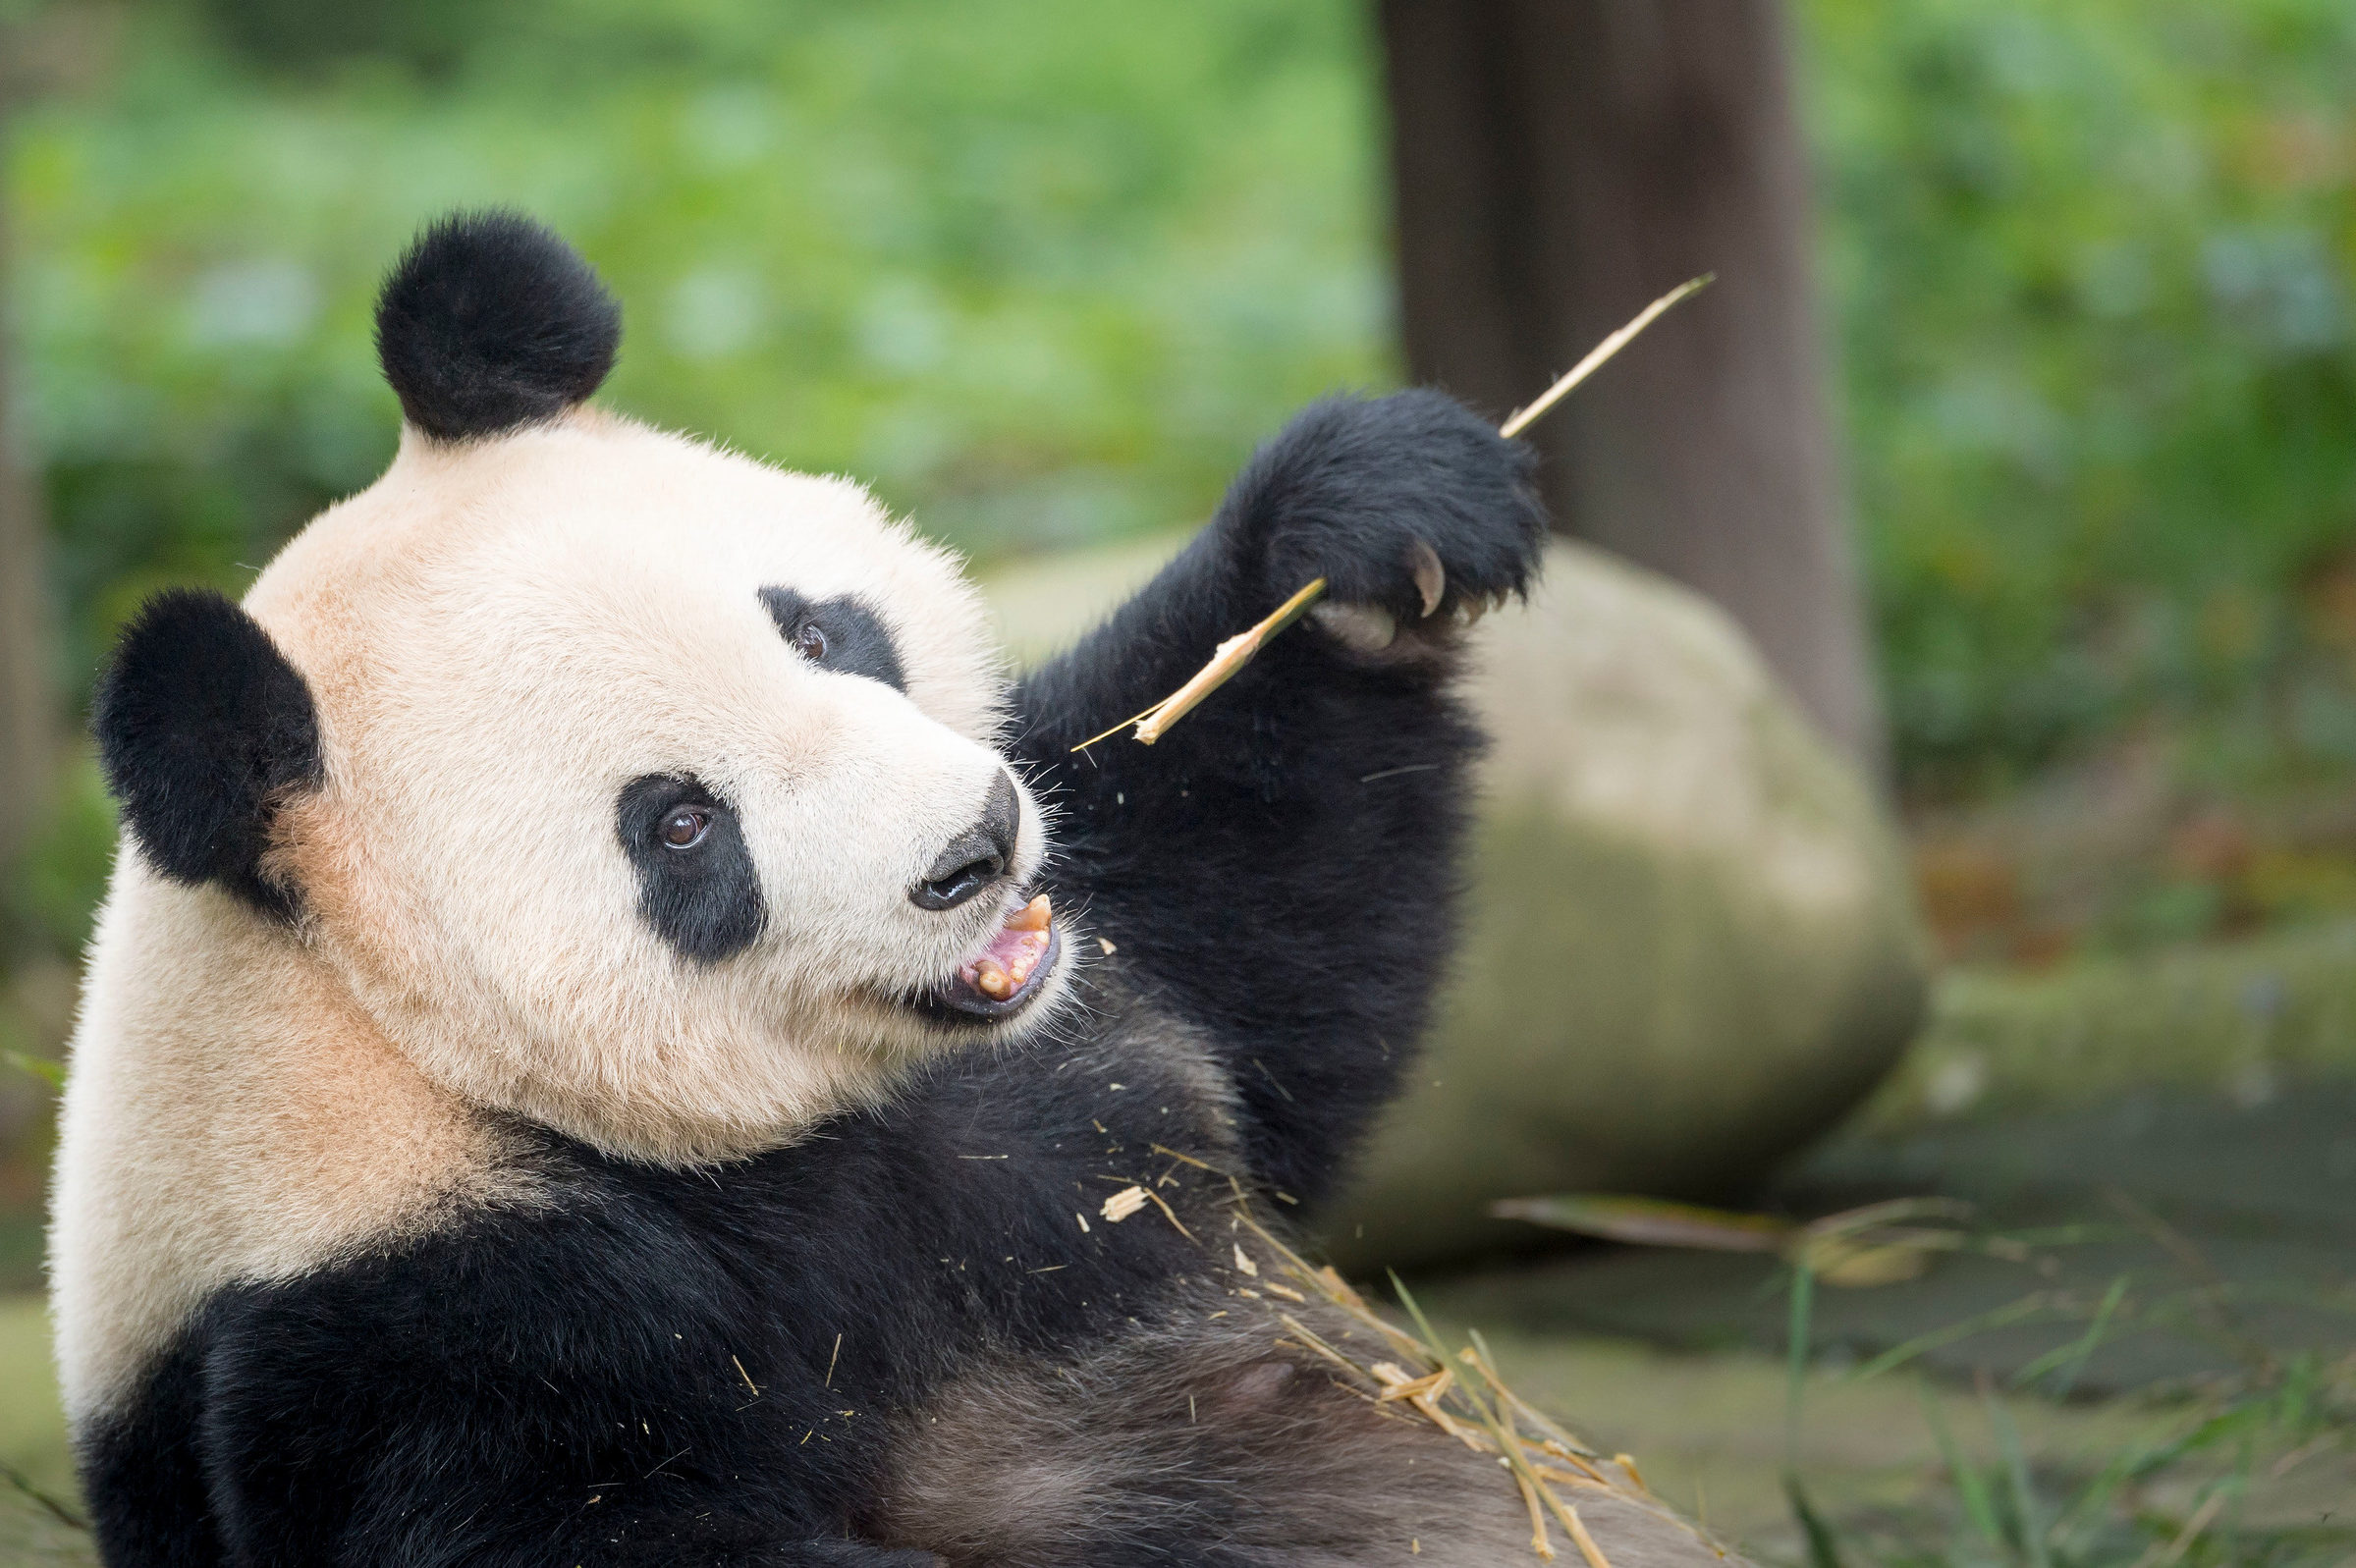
(1418, 514)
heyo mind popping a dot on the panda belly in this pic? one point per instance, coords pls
(916, 1327)
(774, 1333)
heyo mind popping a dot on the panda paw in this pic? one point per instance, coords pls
(1418, 514)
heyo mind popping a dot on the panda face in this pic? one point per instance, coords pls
(625, 785)
(660, 803)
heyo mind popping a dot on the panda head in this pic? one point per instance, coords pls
(631, 785)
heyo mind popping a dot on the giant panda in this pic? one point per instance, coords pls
(614, 1021)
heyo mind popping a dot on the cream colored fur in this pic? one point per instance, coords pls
(575, 607)
(498, 636)
(231, 1116)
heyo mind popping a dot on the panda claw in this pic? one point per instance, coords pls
(1431, 577)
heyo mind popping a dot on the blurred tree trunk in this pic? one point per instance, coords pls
(1558, 164)
(29, 731)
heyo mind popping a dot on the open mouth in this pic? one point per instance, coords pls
(1012, 969)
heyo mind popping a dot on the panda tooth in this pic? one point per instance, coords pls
(991, 981)
(1032, 916)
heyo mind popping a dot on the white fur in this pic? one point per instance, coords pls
(498, 636)
(231, 1116)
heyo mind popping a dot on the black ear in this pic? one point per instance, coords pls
(201, 724)
(491, 322)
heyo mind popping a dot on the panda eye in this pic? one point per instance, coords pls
(684, 828)
(841, 635)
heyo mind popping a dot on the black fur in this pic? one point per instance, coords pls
(201, 725)
(851, 637)
(1284, 863)
(576, 1384)
(491, 322)
(977, 858)
(705, 901)
(143, 1472)
(743, 1365)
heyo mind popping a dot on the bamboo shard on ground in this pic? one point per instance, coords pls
(1237, 652)
(1464, 1396)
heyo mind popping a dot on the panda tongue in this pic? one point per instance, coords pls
(1003, 968)
(1011, 944)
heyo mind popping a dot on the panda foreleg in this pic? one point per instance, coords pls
(1281, 865)
(558, 1385)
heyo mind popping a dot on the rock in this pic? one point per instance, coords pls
(1691, 944)
(2250, 1020)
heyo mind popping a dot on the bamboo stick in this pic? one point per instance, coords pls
(1233, 654)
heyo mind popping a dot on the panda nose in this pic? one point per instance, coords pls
(976, 858)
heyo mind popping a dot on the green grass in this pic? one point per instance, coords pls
(2215, 1479)
(33, 1444)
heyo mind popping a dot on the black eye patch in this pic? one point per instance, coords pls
(840, 633)
(696, 885)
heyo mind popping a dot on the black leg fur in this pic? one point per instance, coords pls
(1281, 866)
(143, 1473)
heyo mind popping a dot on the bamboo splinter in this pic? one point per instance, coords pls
(1237, 652)
(1599, 354)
